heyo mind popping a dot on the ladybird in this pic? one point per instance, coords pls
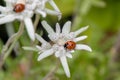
(19, 8)
(70, 45)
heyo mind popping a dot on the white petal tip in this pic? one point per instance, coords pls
(30, 28)
(65, 65)
(79, 38)
(38, 47)
(69, 22)
(33, 38)
(85, 37)
(44, 15)
(69, 55)
(72, 51)
(26, 48)
(39, 52)
(86, 27)
(90, 50)
(43, 22)
(38, 59)
(68, 76)
(83, 47)
(81, 30)
(30, 48)
(59, 16)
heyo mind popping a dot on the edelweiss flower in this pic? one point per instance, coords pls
(64, 43)
(18, 12)
(38, 6)
(23, 10)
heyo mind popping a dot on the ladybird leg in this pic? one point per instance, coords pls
(65, 45)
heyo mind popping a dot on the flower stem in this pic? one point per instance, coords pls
(50, 75)
(6, 51)
(18, 34)
(29, 57)
(37, 18)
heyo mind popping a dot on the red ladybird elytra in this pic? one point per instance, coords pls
(70, 45)
(19, 8)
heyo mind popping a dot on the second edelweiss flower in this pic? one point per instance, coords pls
(64, 43)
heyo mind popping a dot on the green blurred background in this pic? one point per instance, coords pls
(103, 63)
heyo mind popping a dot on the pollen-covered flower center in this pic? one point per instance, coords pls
(61, 42)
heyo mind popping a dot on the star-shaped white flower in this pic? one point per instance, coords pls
(59, 39)
(38, 6)
(8, 14)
